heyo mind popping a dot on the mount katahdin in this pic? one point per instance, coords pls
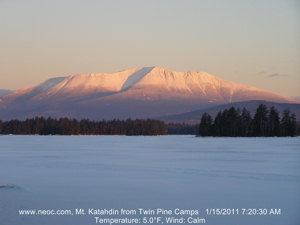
(136, 93)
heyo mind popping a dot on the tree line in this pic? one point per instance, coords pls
(230, 122)
(65, 126)
(182, 128)
(239, 123)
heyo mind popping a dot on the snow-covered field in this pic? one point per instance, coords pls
(68, 172)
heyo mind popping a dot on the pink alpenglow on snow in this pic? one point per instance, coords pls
(136, 93)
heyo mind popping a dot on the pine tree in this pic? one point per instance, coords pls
(285, 123)
(233, 118)
(205, 126)
(293, 125)
(218, 125)
(273, 123)
(260, 121)
(246, 123)
(1, 126)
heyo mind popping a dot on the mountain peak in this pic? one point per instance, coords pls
(136, 77)
(139, 92)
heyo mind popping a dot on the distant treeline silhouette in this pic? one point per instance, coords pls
(182, 128)
(228, 123)
(65, 126)
(239, 123)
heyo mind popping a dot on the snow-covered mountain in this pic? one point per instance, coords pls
(5, 92)
(136, 93)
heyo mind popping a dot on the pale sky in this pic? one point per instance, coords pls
(252, 42)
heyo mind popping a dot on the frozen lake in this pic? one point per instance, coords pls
(185, 172)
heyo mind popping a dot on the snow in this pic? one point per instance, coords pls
(5, 92)
(68, 172)
(49, 84)
(150, 80)
(96, 82)
(136, 77)
(78, 95)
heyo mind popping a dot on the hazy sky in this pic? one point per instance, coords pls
(252, 42)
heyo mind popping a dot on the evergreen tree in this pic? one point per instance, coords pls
(246, 123)
(232, 122)
(182, 128)
(293, 128)
(286, 123)
(218, 125)
(205, 126)
(260, 121)
(67, 126)
(227, 123)
(273, 123)
(298, 128)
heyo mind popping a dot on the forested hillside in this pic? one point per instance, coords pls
(65, 126)
(239, 123)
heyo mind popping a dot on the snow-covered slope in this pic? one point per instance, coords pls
(5, 92)
(140, 92)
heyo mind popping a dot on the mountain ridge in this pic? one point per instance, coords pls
(5, 92)
(138, 92)
(193, 117)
